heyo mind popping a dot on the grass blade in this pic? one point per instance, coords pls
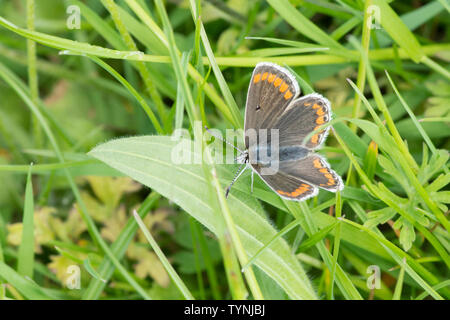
(25, 260)
(316, 237)
(303, 24)
(399, 284)
(170, 270)
(26, 287)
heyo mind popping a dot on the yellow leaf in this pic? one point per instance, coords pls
(109, 190)
(14, 233)
(148, 264)
(71, 228)
(98, 211)
(61, 265)
(43, 231)
(114, 225)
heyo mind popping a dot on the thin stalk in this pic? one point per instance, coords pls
(399, 284)
(119, 246)
(361, 78)
(32, 71)
(436, 67)
(143, 70)
(248, 272)
(337, 241)
(170, 270)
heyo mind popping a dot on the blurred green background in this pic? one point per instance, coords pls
(85, 105)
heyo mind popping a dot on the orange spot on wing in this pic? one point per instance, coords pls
(284, 86)
(316, 106)
(300, 190)
(307, 104)
(315, 138)
(320, 120)
(324, 170)
(331, 182)
(317, 163)
(277, 82)
(288, 95)
(257, 78)
(320, 112)
(271, 78)
(264, 76)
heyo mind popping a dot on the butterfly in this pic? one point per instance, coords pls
(277, 122)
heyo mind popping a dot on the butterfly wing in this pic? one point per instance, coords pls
(272, 104)
(287, 186)
(298, 180)
(271, 90)
(303, 116)
(315, 170)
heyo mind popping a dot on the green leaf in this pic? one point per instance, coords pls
(443, 196)
(87, 265)
(316, 237)
(397, 29)
(148, 160)
(407, 235)
(290, 43)
(71, 46)
(370, 160)
(26, 287)
(377, 217)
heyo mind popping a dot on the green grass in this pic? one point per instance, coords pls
(93, 110)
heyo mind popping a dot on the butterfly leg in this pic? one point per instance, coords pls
(238, 174)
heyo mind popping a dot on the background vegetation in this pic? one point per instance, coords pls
(92, 110)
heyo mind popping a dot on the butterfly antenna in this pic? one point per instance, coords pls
(220, 138)
(236, 176)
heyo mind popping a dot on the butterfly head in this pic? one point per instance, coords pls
(243, 157)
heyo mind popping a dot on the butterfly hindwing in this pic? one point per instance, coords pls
(313, 169)
(288, 186)
(303, 116)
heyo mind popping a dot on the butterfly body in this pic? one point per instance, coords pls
(256, 155)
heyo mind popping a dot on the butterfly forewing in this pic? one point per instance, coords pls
(303, 116)
(271, 90)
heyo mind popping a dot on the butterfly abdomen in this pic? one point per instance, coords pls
(266, 155)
